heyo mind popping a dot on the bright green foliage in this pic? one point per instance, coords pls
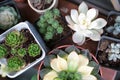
(22, 52)
(34, 50)
(13, 51)
(14, 39)
(15, 63)
(8, 17)
(3, 51)
(49, 24)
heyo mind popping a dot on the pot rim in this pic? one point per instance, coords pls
(42, 11)
(64, 46)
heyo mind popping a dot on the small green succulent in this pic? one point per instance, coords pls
(49, 24)
(3, 51)
(34, 50)
(14, 39)
(15, 63)
(22, 52)
(13, 51)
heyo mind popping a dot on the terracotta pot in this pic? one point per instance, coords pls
(63, 47)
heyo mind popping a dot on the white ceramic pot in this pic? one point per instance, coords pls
(54, 4)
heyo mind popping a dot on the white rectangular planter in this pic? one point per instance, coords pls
(19, 27)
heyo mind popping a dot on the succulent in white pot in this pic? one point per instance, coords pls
(41, 6)
(83, 21)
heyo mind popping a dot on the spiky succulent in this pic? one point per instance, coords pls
(22, 52)
(49, 24)
(3, 51)
(14, 39)
(15, 63)
(8, 17)
(34, 50)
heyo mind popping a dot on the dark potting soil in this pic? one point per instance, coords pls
(30, 39)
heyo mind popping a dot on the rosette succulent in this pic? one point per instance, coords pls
(34, 50)
(84, 24)
(49, 24)
(3, 51)
(8, 17)
(113, 52)
(115, 29)
(71, 66)
(22, 52)
(15, 63)
(14, 39)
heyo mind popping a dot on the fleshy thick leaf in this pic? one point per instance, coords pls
(83, 8)
(69, 20)
(73, 61)
(89, 77)
(59, 64)
(96, 67)
(43, 72)
(85, 70)
(78, 38)
(95, 36)
(72, 48)
(74, 15)
(92, 14)
(83, 60)
(98, 24)
(50, 76)
(47, 60)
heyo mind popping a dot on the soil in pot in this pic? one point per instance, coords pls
(53, 27)
(108, 53)
(29, 40)
(41, 4)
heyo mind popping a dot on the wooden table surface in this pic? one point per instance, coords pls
(28, 14)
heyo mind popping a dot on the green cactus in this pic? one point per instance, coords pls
(8, 17)
(15, 63)
(22, 52)
(14, 39)
(3, 51)
(34, 50)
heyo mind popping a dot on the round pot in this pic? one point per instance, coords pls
(63, 47)
(54, 4)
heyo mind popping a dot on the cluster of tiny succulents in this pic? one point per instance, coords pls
(113, 51)
(63, 66)
(13, 42)
(83, 21)
(8, 17)
(115, 29)
(49, 25)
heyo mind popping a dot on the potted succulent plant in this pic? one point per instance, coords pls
(83, 21)
(52, 27)
(113, 27)
(108, 53)
(20, 48)
(69, 63)
(41, 6)
(9, 14)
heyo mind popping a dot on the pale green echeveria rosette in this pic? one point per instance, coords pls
(76, 64)
(85, 24)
